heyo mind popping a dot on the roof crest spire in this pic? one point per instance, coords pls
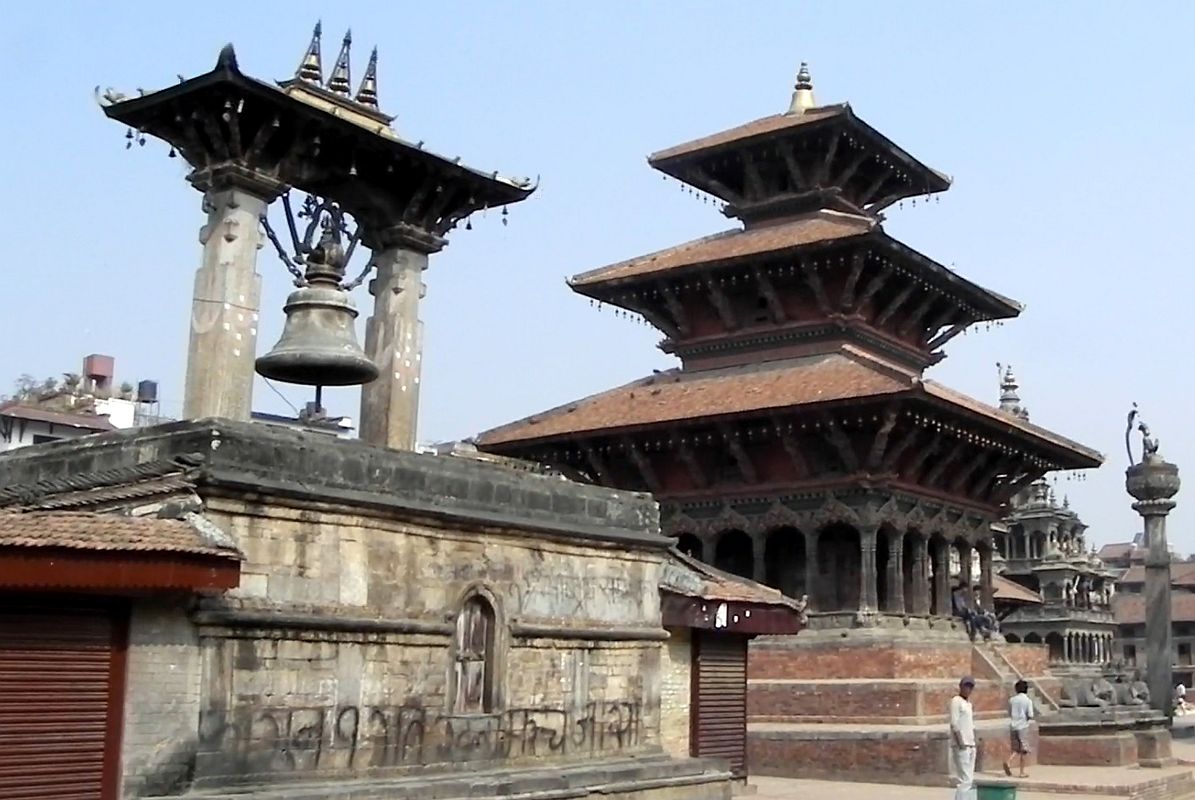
(339, 81)
(367, 95)
(803, 92)
(311, 68)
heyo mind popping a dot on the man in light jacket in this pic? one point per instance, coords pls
(962, 740)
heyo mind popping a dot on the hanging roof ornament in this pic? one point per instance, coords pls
(367, 95)
(339, 81)
(803, 92)
(311, 68)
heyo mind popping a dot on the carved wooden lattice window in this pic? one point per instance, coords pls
(475, 658)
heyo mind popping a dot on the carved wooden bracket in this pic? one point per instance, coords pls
(876, 283)
(792, 448)
(721, 304)
(815, 283)
(945, 336)
(858, 261)
(643, 464)
(675, 308)
(731, 439)
(597, 464)
(880, 443)
(940, 466)
(689, 459)
(841, 443)
(870, 192)
(795, 174)
(823, 173)
(894, 304)
(918, 314)
(852, 168)
(768, 291)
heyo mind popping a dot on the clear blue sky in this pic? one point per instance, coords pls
(1068, 127)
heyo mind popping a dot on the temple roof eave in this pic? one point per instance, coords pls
(606, 282)
(671, 160)
(138, 112)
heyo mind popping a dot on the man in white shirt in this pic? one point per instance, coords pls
(962, 740)
(1020, 713)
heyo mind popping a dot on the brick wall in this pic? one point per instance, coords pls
(675, 676)
(164, 670)
(860, 660)
(1031, 660)
(865, 701)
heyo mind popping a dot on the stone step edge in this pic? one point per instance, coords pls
(1170, 783)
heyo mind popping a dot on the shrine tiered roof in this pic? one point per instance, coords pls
(846, 374)
(821, 228)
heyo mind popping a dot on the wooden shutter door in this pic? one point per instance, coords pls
(61, 671)
(719, 699)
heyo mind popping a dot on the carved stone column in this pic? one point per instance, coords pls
(1152, 483)
(896, 572)
(921, 588)
(759, 568)
(394, 338)
(966, 579)
(987, 591)
(227, 296)
(867, 568)
(812, 573)
(942, 580)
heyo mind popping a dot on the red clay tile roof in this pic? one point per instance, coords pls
(676, 395)
(1092, 458)
(759, 127)
(86, 421)
(1116, 550)
(108, 532)
(1182, 573)
(737, 243)
(714, 584)
(1129, 609)
(1013, 592)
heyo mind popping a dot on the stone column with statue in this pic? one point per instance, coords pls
(1153, 482)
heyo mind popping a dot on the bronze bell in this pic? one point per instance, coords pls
(319, 342)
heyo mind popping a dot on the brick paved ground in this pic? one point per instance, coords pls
(789, 789)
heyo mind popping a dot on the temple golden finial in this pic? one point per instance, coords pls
(339, 80)
(802, 92)
(367, 95)
(311, 68)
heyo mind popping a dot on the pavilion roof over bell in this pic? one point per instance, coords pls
(807, 232)
(169, 114)
(846, 374)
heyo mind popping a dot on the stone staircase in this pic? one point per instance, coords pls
(996, 666)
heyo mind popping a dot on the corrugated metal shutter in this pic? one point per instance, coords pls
(719, 699)
(57, 670)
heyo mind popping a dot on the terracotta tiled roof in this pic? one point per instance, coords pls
(86, 421)
(1129, 609)
(108, 532)
(1013, 592)
(676, 395)
(1182, 573)
(826, 226)
(1117, 550)
(759, 127)
(1087, 457)
(714, 584)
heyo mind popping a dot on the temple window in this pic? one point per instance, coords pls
(474, 665)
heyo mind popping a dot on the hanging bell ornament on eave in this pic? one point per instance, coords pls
(318, 346)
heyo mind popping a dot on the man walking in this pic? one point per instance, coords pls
(1020, 712)
(962, 740)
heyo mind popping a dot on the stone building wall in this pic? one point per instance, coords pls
(336, 655)
(675, 676)
(162, 698)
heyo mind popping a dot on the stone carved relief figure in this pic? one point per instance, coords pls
(1086, 694)
(1149, 442)
(803, 609)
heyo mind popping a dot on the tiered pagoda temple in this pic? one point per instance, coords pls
(798, 443)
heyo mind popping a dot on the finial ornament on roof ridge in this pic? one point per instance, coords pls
(367, 95)
(311, 68)
(803, 91)
(340, 81)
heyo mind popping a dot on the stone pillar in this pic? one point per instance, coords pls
(812, 573)
(966, 579)
(227, 296)
(867, 568)
(942, 580)
(759, 564)
(896, 571)
(986, 590)
(1068, 647)
(394, 340)
(921, 592)
(1152, 483)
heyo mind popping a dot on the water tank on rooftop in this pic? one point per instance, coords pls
(147, 392)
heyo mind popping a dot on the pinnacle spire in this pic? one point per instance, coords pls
(339, 81)
(311, 68)
(367, 95)
(802, 92)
